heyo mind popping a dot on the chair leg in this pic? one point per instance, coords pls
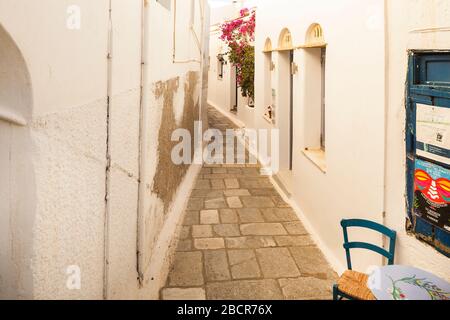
(335, 293)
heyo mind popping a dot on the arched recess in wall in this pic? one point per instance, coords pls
(315, 36)
(15, 84)
(285, 41)
(268, 46)
(284, 91)
(315, 53)
(17, 179)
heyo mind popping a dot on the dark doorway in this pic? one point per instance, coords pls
(291, 120)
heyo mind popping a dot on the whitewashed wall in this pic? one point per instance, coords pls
(404, 20)
(159, 228)
(63, 159)
(352, 186)
(365, 115)
(53, 169)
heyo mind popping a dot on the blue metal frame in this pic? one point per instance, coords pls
(438, 62)
(348, 246)
(429, 89)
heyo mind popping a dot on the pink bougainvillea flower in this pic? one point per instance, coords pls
(239, 34)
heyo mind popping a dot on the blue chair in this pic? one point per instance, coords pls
(353, 285)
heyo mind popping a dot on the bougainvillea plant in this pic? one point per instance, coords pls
(239, 35)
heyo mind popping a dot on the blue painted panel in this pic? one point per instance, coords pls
(429, 92)
(442, 241)
(424, 228)
(429, 84)
(420, 98)
(433, 68)
(442, 102)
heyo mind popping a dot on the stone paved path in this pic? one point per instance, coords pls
(240, 240)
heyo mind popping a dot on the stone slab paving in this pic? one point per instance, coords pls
(241, 241)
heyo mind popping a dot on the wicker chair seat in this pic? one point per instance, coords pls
(354, 284)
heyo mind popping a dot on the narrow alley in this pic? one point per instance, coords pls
(240, 240)
(225, 150)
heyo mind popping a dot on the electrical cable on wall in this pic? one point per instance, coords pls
(199, 42)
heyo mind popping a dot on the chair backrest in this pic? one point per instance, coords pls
(391, 234)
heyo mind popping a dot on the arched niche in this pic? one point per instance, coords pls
(17, 172)
(268, 46)
(315, 36)
(285, 41)
(15, 84)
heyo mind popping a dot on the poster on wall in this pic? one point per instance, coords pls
(432, 194)
(433, 133)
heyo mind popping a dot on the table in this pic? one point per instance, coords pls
(407, 283)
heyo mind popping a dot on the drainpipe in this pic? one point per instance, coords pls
(143, 140)
(108, 157)
(174, 37)
(386, 118)
(202, 54)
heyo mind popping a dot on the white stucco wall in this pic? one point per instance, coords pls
(65, 158)
(352, 186)
(16, 176)
(158, 229)
(124, 116)
(419, 25)
(53, 170)
(366, 70)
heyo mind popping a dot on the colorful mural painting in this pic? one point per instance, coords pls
(432, 194)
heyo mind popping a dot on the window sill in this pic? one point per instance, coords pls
(317, 157)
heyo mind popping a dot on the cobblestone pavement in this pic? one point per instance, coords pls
(240, 240)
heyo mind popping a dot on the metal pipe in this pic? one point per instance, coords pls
(202, 20)
(174, 59)
(108, 157)
(143, 142)
(386, 119)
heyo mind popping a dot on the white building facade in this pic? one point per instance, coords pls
(334, 74)
(91, 92)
